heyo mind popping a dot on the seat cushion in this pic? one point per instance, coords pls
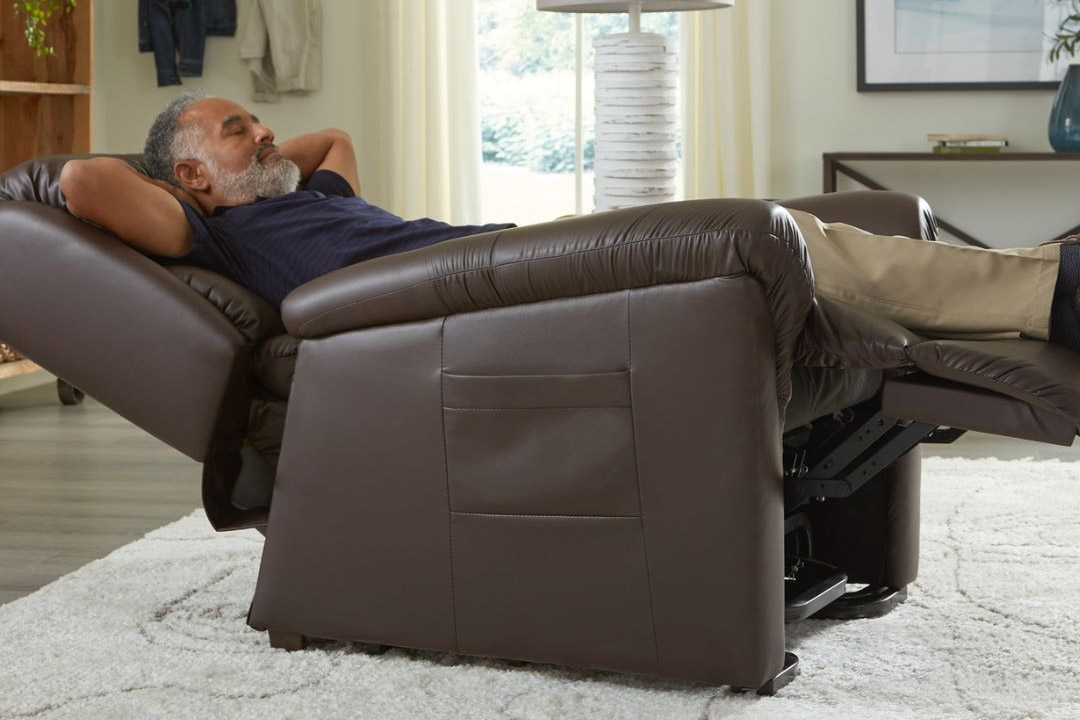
(841, 335)
(819, 391)
(275, 362)
(255, 318)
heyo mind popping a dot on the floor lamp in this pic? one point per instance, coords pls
(636, 114)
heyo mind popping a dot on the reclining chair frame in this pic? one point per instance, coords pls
(620, 555)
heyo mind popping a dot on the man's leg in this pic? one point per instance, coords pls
(935, 288)
(1065, 315)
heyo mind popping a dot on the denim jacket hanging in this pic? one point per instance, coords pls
(177, 29)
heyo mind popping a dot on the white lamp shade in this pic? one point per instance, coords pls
(623, 6)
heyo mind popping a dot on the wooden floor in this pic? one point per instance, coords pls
(79, 482)
(75, 484)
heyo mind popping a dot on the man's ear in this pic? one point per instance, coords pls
(191, 175)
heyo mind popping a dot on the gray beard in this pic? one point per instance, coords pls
(278, 176)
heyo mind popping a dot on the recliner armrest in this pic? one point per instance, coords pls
(882, 212)
(604, 252)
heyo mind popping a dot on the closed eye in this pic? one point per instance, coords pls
(232, 125)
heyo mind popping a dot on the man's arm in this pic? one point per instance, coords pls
(330, 149)
(142, 211)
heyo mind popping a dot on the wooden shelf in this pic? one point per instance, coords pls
(17, 87)
(45, 101)
(19, 367)
(1004, 155)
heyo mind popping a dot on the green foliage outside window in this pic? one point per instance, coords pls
(539, 141)
(518, 38)
(527, 80)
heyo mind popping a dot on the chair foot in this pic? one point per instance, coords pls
(782, 678)
(68, 393)
(287, 640)
(870, 602)
(373, 648)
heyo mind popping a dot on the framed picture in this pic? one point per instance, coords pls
(958, 44)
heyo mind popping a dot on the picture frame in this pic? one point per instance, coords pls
(905, 45)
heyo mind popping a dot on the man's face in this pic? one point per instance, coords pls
(239, 154)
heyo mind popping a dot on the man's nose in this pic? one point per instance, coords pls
(263, 134)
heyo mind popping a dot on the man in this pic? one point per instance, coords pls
(241, 215)
(240, 212)
(942, 290)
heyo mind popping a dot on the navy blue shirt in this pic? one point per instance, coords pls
(274, 245)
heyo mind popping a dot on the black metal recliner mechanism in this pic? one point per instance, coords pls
(831, 460)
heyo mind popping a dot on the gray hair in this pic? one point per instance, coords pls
(170, 141)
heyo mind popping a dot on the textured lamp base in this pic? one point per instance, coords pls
(636, 115)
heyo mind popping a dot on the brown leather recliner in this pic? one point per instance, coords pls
(600, 441)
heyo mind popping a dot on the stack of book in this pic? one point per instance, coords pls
(970, 143)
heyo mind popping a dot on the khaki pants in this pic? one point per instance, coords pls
(934, 289)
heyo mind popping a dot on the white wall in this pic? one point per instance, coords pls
(816, 109)
(126, 96)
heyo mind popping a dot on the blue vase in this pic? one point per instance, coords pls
(1065, 115)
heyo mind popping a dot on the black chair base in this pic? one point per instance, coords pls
(809, 587)
(782, 678)
(870, 602)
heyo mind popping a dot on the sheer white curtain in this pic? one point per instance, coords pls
(725, 85)
(421, 123)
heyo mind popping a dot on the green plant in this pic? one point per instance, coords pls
(1068, 34)
(36, 14)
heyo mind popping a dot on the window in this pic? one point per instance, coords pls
(528, 77)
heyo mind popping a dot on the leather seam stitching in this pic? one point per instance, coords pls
(637, 478)
(546, 515)
(1036, 398)
(446, 474)
(526, 408)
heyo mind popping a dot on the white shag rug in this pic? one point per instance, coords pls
(156, 630)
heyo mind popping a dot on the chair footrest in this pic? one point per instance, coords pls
(810, 586)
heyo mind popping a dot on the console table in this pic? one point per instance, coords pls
(835, 164)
